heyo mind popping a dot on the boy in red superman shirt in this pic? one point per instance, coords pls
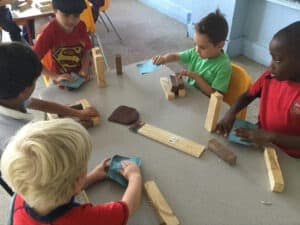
(67, 39)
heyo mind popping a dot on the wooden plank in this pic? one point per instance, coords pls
(180, 143)
(99, 65)
(160, 204)
(213, 111)
(164, 82)
(274, 171)
(222, 151)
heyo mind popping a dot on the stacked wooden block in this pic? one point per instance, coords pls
(172, 86)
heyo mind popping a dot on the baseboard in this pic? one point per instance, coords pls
(234, 47)
(171, 9)
(256, 52)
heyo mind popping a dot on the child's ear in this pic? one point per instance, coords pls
(220, 45)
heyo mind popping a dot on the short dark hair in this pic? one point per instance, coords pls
(69, 6)
(19, 68)
(214, 25)
(290, 38)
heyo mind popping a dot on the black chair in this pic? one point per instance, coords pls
(5, 186)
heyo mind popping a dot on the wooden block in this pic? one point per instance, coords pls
(99, 66)
(23, 6)
(177, 142)
(180, 83)
(174, 83)
(85, 104)
(214, 108)
(274, 171)
(181, 92)
(164, 82)
(160, 204)
(222, 151)
(44, 6)
(81, 104)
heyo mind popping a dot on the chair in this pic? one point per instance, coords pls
(103, 9)
(5, 186)
(239, 84)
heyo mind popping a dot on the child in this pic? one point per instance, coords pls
(67, 39)
(6, 20)
(209, 67)
(46, 165)
(19, 69)
(279, 91)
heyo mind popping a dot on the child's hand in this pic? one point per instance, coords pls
(158, 60)
(225, 124)
(85, 74)
(88, 113)
(185, 73)
(130, 170)
(259, 137)
(99, 172)
(64, 76)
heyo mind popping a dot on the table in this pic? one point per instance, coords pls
(202, 190)
(28, 16)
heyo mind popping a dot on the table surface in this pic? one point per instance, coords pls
(203, 190)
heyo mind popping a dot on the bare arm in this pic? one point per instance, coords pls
(225, 124)
(133, 193)
(85, 63)
(170, 57)
(52, 107)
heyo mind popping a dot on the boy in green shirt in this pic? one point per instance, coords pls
(209, 68)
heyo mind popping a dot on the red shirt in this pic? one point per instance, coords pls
(279, 109)
(66, 48)
(114, 213)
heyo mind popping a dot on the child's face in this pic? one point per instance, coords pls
(205, 48)
(67, 21)
(283, 66)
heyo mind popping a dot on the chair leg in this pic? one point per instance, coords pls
(6, 187)
(115, 30)
(102, 20)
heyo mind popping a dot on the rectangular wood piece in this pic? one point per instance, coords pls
(222, 151)
(160, 204)
(164, 82)
(274, 171)
(180, 143)
(99, 66)
(213, 111)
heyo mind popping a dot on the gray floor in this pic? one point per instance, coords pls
(145, 33)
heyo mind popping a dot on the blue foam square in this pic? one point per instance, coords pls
(147, 67)
(78, 81)
(238, 123)
(115, 166)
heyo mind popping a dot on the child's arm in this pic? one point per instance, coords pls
(202, 84)
(52, 107)
(56, 77)
(225, 124)
(132, 195)
(262, 137)
(85, 63)
(170, 57)
(98, 173)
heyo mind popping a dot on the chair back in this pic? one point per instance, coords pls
(87, 17)
(105, 6)
(239, 84)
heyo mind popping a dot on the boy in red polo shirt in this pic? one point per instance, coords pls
(46, 165)
(67, 39)
(279, 91)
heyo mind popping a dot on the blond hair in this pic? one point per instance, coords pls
(44, 160)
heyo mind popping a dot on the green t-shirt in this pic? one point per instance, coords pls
(215, 71)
